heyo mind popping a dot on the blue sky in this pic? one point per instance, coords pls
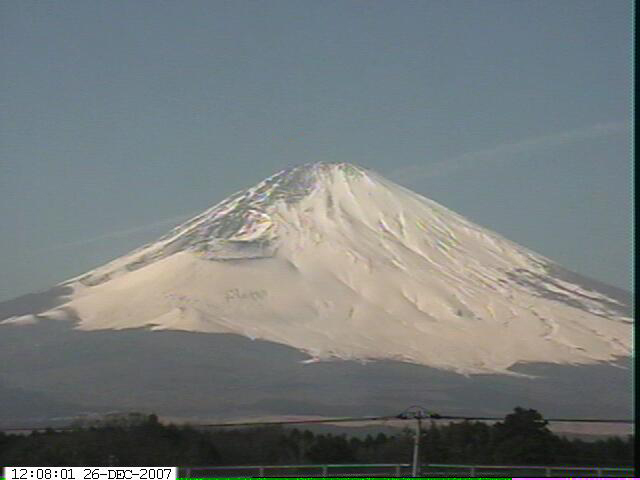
(120, 119)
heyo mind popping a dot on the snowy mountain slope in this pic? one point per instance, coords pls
(339, 262)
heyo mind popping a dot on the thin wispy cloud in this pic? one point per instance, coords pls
(123, 233)
(506, 152)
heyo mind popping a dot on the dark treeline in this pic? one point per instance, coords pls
(521, 439)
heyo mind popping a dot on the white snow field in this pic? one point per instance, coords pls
(339, 262)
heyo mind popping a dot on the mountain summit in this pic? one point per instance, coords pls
(339, 262)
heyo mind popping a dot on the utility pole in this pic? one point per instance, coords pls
(417, 413)
(415, 472)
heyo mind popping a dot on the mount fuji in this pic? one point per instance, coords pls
(334, 265)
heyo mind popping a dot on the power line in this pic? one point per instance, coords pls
(550, 420)
(416, 411)
(411, 413)
(300, 422)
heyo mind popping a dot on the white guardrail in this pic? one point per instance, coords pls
(400, 470)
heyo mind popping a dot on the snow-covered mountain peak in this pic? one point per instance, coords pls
(338, 261)
(292, 184)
